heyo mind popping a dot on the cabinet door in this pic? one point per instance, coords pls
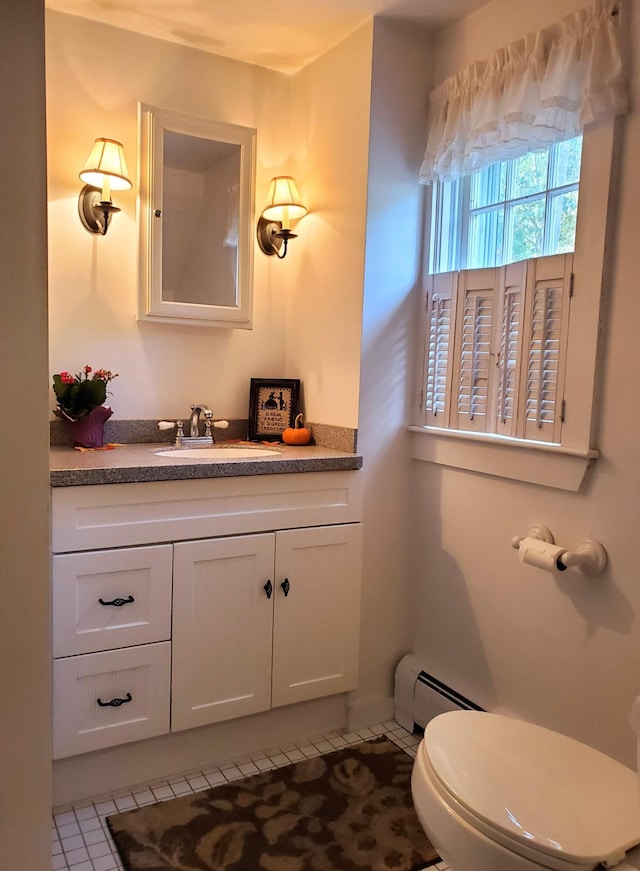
(111, 598)
(222, 629)
(316, 624)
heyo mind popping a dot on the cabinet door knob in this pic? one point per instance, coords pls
(118, 602)
(268, 588)
(115, 703)
(286, 586)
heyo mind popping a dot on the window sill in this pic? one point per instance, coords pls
(532, 462)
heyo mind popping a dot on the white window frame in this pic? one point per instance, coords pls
(563, 465)
(452, 213)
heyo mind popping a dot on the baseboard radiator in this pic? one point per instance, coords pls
(419, 696)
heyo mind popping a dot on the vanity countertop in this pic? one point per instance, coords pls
(133, 463)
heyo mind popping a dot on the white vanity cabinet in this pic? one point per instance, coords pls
(265, 620)
(169, 603)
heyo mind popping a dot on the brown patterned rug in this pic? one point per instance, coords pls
(350, 810)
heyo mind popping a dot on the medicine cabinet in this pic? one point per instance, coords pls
(197, 180)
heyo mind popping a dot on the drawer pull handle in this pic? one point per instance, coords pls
(268, 588)
(118, 602)
(115, 703)
(286, 586)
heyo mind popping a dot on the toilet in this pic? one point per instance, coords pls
(499, 794)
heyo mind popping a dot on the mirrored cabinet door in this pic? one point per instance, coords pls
(197, 179)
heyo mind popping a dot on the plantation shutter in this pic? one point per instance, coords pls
(440, 317)
(545, 329)
(510, 348)
(473, 357)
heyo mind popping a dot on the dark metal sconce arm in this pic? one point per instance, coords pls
(272, 238)
(94, 212)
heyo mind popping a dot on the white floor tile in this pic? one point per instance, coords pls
(143, 797)
(72, 843)
(181, 787)
(85, 812)
(101, 849)
(97, 836)
(216, 778)
(125, 802)
(68, 830)
(76, 856)
(294, 755)
(89, 824)
(106, 807)
(232, 773)
(324, 746)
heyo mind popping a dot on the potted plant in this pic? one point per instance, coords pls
(80, 403)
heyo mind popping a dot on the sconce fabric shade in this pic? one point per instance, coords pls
(283, 206)
(283, 201)
(104, 171)
(106, 161)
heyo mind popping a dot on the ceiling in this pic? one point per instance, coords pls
(280, 36)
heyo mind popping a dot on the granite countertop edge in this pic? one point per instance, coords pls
(140, 463)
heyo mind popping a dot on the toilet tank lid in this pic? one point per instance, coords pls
(536, 786)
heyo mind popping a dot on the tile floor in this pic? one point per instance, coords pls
(80, 840)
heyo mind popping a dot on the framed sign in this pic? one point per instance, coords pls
(273, 405)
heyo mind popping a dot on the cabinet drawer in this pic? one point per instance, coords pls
(86, 518)
(107, 599)
(104, 699)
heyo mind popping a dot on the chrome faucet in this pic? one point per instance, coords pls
(194, 438)
(194, 420)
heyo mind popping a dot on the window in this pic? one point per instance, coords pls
(496, 348)
(497, 329)
(510, 375)
(506, 440)
(508, 211)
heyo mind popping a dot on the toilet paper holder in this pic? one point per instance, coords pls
(589, 556)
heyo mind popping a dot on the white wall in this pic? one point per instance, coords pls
(401, 75)
(564, 653)
(25, 642)
(93, 279)
(330, 117)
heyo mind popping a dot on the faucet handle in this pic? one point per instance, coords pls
(179, 432)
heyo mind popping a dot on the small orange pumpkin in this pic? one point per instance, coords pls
(297, 434)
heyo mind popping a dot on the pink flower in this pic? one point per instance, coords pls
(87, 369)
(104, 375)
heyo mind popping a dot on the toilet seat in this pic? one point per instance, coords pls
(538, 793)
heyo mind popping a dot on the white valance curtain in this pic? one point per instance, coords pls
(531, 93)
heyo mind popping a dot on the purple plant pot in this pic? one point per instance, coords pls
(89, 431)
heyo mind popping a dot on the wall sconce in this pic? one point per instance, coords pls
(106, 169)
(283, 206)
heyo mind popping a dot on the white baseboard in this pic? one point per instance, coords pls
(368, 712)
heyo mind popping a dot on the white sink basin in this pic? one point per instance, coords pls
(216, 453)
